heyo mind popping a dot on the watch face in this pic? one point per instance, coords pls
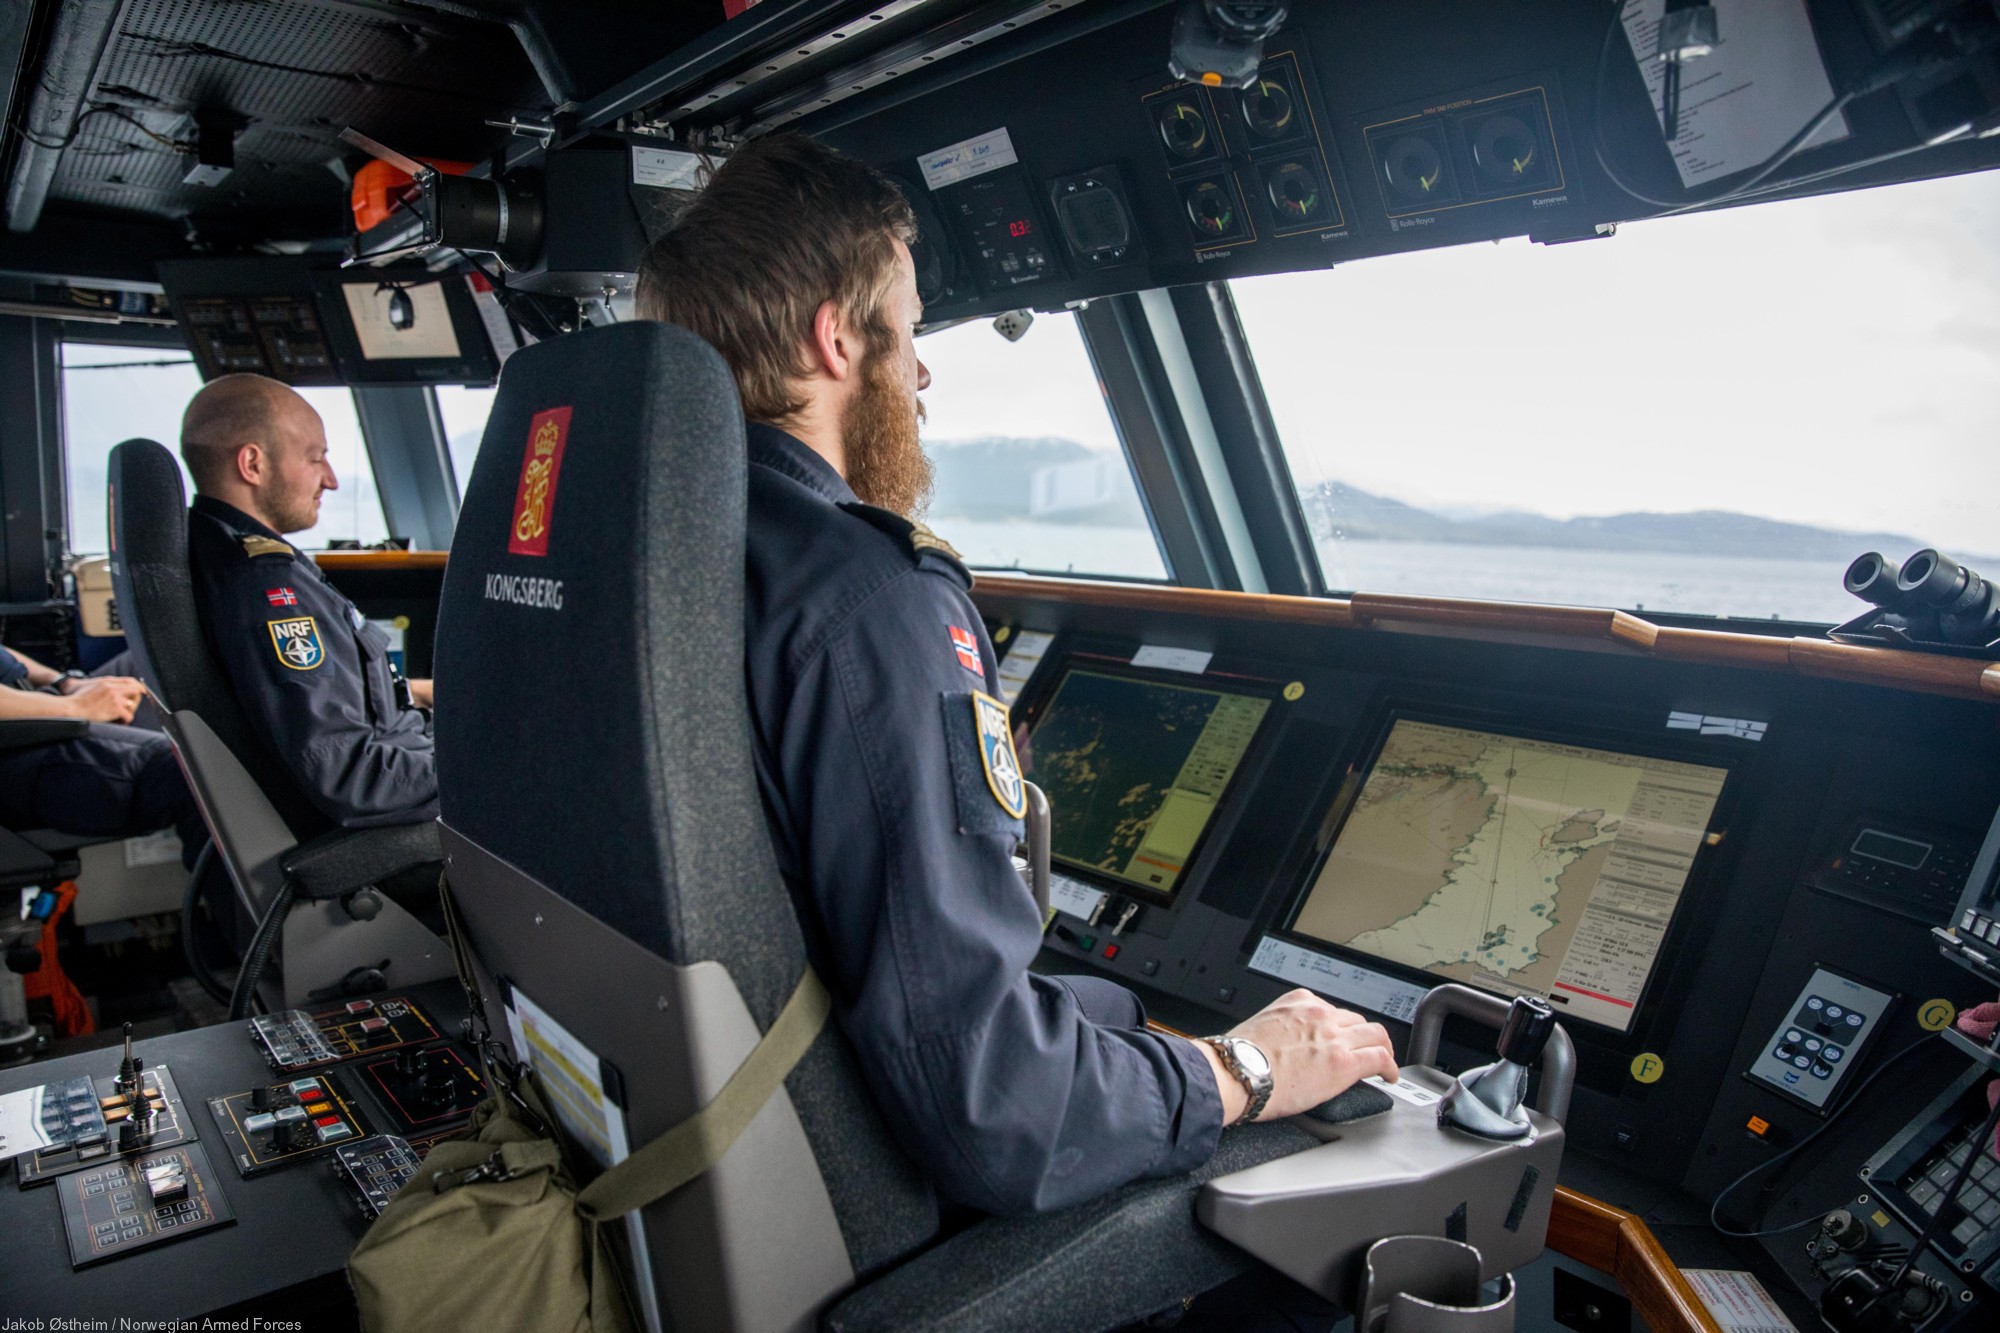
(1252, 1058)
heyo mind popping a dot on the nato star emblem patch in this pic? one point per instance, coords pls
(996, 752)
(297, 642)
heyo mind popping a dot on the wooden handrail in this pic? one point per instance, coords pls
(1614, 1241)
(380, 559)
(1889, 668)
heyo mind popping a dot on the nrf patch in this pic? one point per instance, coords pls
(297, 642)
(967, 649)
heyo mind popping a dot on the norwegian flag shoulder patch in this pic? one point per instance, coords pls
(967, 648)
(281, 597)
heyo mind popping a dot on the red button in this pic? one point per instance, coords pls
(1110, 951)
(327, 1120)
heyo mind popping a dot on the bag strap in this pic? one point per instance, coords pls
(691, 1148)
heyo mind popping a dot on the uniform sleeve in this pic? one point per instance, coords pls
(298, 676)
(12, 668)
(1010, 1096)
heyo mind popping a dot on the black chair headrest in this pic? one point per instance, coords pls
(591, 724)
(163, 624)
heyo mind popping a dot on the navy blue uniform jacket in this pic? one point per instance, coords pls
(897, 849)
(310, 673)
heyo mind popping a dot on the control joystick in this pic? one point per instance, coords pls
(1487, 1101)
(260, 1098)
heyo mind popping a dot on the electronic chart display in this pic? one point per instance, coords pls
(1134, 769)
(1516, 865)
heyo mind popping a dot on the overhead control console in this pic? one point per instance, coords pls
(1486, 150)
(1247, 163)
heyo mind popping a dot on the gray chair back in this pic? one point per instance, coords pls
(603, 824)
(163, 625)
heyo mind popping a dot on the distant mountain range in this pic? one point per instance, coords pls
(992, 478)
(1336, 509)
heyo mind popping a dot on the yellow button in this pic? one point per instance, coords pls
(1937, 1015)
(1647, 1067)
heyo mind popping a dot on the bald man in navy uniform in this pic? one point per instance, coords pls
(883, 752)
(312, 675)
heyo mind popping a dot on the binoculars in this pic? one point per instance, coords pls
(1929, 597)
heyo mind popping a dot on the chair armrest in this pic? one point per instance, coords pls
(18, 733)
(1102, 1264)
(344, 860)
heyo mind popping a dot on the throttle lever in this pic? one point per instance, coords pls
(1487, 1101)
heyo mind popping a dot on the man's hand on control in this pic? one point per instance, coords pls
(106, 699)
(1316, 1049)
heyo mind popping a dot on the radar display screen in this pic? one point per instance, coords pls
(1134, 769)
(1526, 867)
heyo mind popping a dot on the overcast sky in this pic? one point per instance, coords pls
(1833, 361)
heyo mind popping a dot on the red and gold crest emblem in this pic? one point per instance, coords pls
(535, 500)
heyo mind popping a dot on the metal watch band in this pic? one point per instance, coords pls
(1258, 1090)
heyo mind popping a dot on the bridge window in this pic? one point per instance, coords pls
(114, 393)
(1029, 470)
(111, 394)
(1710, 414)
(464, 412)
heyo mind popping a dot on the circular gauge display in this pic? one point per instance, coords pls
(1413, 168)
(1268, 110)
(1211, 209)
(1504, 149)
(1184, 130)
(1294, 191)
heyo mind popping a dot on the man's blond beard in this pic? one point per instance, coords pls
(886, 465)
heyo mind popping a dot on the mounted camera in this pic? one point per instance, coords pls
(1221, 42)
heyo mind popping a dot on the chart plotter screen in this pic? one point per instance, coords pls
(1522, 866)
(1134, 769)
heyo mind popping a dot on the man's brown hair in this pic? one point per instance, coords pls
(785, 224)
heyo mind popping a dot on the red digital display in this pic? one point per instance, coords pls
(1019, 228)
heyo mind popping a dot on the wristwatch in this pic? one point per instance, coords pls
(1251, 1067)
(60, 683)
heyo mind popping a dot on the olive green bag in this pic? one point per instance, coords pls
(492, 1233)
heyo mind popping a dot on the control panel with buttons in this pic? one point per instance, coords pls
(125, 1205)
(376, 1167)
(272, 1125)
(1822, 1038)
(1918, 876)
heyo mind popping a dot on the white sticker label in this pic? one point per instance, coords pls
(666, 168)
(1405, 1090)
(1173, 659)
(154, 849)
(1741, 728)
(1024, 654)
(1332, 976)
(1078, 899)
(967, 158)
(1738, 1301)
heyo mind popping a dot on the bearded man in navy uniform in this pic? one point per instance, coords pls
(884, 754)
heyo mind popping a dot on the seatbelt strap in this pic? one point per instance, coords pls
(691, 1148)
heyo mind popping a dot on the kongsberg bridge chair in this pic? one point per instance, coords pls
(302, 883)
(612, 867)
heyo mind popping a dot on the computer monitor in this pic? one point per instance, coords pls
(297, 320)
(1518, 865)
(1134, 767)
